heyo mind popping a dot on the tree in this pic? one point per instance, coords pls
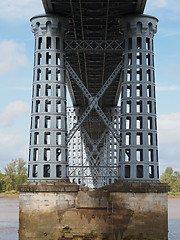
(1, 181)
(172, 178)
(167, 176)
(15, 174)
(21, 172)
(10, 172)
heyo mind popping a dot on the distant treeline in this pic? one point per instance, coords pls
(14, 174)
(172, 178)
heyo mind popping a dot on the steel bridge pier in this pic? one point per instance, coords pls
(93, 171)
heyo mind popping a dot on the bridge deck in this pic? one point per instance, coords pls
(94, 20)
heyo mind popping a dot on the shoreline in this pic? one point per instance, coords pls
(16, 195)
(9, 195)
(173, 196)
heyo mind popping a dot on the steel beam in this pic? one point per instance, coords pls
(94, 45)
(93, 100)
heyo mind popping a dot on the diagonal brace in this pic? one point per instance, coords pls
(93, 100)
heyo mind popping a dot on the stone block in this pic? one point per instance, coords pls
(102, 214)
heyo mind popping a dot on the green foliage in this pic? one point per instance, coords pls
(1, 181)
(15, 173)
(172, 178)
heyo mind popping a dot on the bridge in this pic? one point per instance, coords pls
(93, 171)
(94, 47)
(103, 52)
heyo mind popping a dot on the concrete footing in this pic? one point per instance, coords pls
(66, 211)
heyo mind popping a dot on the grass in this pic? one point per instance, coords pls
(9, 194)
(174, 193)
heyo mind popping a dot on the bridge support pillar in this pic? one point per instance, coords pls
(135, 207)
(48, 147)
(66, 211)
(139, 150)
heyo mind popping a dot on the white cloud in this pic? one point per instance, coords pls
(23, 88)
(176, 55)
(158, 3)
(173, 5)
(168, 88)
(12, 56)
(12, 111)
(171, 72)
(169, 140)
(12, 145)
(169, 32)
(12, 10)
(169, 127)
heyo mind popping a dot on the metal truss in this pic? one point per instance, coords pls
(95, 171)
(93, 101)
(94, 45)
(94, 146)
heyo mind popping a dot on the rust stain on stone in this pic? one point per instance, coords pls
(99, 215)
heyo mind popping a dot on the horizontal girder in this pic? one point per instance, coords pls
(94, 45)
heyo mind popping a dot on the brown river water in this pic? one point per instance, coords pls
(9, 219)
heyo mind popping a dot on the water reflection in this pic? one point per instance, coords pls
(9, 219)
(174, 218)
(9, 210)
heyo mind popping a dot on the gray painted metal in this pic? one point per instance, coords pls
(93, 164)
(93, 20)
(48, 148)
(94, 45)
(139, 151)
(94, 100)
(105, 143)
(63, 7)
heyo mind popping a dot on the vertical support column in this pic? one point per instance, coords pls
(48, 149)
(139, 151)
(113, 146)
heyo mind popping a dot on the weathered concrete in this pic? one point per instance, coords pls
(65, 211)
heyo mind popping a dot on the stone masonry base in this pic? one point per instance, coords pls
(66, 211)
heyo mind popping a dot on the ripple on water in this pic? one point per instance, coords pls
(9, 211)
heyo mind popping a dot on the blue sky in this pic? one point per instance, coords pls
(16, 59)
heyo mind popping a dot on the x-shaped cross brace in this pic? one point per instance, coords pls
(94, 100)
(94, 145)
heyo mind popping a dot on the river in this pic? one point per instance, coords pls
(9, 210)
(174, 218)
(9, 219)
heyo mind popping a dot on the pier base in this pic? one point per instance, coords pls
(66, 211)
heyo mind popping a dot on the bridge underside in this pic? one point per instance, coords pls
(94, 27)
(107, 53)
(106, 49)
